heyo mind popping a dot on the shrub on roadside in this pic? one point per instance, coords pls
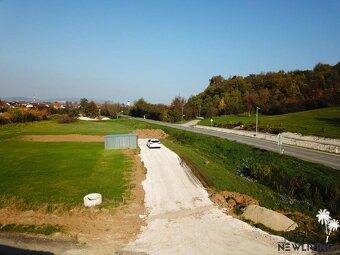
(302, 187)
(267, 129)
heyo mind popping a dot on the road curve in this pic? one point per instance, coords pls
(324, 158)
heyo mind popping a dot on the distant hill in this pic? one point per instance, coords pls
(274, 92)
(17, 99)
(30, 99)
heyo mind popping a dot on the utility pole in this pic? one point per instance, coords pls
(182, 112)
(257, 119)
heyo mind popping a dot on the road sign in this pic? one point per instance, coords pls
(280, 142)
(279, 139)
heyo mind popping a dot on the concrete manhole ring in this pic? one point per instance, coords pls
(92, 199)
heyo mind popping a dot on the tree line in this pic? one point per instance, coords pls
(68, 113)
(274, 92)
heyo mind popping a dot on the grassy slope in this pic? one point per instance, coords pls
(217, 161)
(225, 158)
(221, 177)
(61, 173)
(321, 122)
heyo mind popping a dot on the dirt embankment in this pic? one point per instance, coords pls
(229, 200)
(142, 133)
(151, 133)
(252, 211)
(63, 138)
(97, 228)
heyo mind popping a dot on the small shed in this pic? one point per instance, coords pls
(121, 141)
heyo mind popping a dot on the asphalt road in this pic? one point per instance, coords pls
(328, 159)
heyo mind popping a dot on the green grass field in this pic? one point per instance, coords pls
(59, 174)
(55, 174)
(321, 122)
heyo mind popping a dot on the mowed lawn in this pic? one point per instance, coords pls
(36, 174)
(59, 174)
(320, 122)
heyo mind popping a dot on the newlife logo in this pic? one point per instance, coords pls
(331, 225)
(287, 246)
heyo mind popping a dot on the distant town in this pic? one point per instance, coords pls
(13, 111)
(40, 105)
(37, 105)
(57, 104)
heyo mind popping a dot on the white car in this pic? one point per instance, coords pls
(153, 143)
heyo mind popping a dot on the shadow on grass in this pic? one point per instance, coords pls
(9, 250)
(332, 121)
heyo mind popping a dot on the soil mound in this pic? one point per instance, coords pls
(150, 133)
(63, 138)
(227, 199)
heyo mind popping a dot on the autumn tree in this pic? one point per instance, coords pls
(83, 103)
(110, 110)
(275, 92)
(177, 105)
(140, 108)
(91, 110)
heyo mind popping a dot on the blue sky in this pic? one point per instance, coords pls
(124, 50)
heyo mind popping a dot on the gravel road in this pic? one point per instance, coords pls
(181, 219)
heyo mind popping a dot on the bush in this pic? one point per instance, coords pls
(67, 119)
(22, 115)
(5, 118)
(267, 129)
(301, 187)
